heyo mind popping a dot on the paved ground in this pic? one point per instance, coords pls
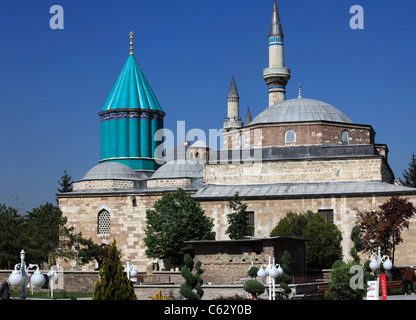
(400, 297)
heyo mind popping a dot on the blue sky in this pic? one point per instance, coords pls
(53, 83)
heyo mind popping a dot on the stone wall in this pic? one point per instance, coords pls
(227, 262)
(128, 221)
(314, 133)
(169, 183)
(144, 292)
(103, 185)
(267, 214)
(301, 171)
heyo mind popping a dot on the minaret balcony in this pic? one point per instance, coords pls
(276, 72)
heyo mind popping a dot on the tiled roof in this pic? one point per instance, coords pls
(301, 189)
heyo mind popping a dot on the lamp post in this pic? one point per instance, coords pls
(377, 260)
(131, 270)
(272, 272)
(375, 264)
(18, 276)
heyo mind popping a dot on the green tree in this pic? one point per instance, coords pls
(292, 225)
(410, 175)
(46, 236)
(11, 229)
(113, 283)
(237, 220)
(65, 183)
(176, 218)
(324, 246)
(42, 232)
(88, 250)
(191, 289)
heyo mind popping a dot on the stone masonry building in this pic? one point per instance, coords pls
(297, 155)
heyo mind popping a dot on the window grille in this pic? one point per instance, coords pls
(328, 215)
(104, 226)
(250, 221)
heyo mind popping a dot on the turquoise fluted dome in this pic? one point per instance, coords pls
(130, 118)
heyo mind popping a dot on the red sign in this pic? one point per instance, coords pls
(383, 286)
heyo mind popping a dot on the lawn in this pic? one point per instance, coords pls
(56, 295)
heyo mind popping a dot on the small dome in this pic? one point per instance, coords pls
(300, 110)
(199, 144)
(111, 171)
(179, 169)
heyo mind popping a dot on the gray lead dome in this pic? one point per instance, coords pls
(111, 171)
(299, 110)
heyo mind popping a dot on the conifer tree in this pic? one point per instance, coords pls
(113, 283)
(65, 183)
(237, 220)
(410, 176)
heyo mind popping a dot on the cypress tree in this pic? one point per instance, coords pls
(410, 176)
(65, 183)
(113, 283)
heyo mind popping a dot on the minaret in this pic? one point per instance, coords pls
(276, 75)
(233, 120)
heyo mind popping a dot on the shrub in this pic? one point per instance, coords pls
(191, 289)
(159, 296)
(254, 287)
(252, 272)
(340, 287)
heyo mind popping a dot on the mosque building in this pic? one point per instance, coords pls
(296, 155)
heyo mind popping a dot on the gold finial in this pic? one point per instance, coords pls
(131, 42)
(187, 144)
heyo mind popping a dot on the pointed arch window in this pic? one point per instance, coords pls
(345, 137)
(290, 136)
(103, 223)
(242, 141)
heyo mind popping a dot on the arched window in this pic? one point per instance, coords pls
(290, 136)
(103, 222)
(345, 137)
(242, 141)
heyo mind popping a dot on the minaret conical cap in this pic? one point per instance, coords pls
(276, 25)
(248, 117)
(233, 93)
